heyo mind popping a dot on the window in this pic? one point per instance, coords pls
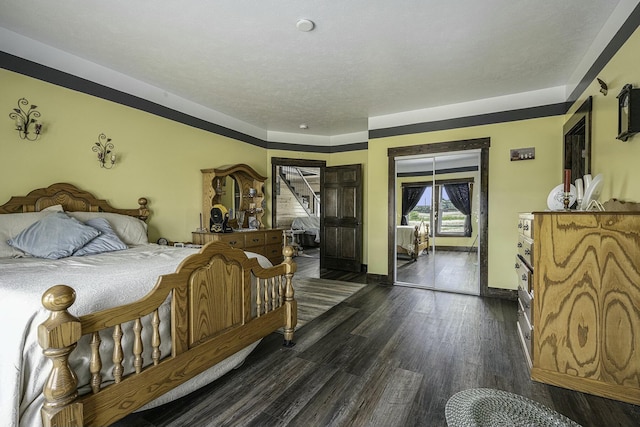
(446, 207)
(451, 222)
(422, 211)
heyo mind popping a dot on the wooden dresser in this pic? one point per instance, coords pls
(267, 242)
(524, 269)
(586, 302)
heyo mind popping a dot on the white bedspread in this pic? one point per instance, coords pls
(406, 238)
(100, 281)
(308, 224)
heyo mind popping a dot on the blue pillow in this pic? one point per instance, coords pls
(54, 236)
(107, 241)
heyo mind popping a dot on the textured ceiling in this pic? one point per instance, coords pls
(247, 60)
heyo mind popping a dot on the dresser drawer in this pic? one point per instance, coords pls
(525, 249)
(525, 279)
(274, 252)
(525, 225)
(235, 240)
(526, 337)
(272, 237)
(251, 240)
(524, 305)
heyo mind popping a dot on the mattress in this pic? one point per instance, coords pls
(101, 281)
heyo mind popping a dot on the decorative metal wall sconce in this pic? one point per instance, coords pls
(604, 89)
(24, 120)
(104, 149)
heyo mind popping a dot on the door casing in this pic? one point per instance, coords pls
(481, 144)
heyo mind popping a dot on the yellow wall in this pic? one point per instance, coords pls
(523, 186)
(514, 187)
(161, 159)
(616, 160)
(157, 158)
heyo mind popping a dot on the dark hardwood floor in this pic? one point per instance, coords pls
(386, 356)
(308, 265)
(444, 270)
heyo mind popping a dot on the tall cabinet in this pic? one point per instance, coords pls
(586, 302)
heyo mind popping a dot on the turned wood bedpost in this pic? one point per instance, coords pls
(143, 211)
(58, 336)
(291, 308)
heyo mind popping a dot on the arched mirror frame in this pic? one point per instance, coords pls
(250, 190)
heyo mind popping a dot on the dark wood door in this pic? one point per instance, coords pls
(341, 218)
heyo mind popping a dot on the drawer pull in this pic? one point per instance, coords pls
(517, 266)
(527, 336)
(519, 225)
(519, 244)
(233, 242)
(255, 240)
(524, 277)
(527, 251)
(526, 227)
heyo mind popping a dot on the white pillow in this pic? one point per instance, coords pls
(53, 208)
(130, 230)
(11, 225)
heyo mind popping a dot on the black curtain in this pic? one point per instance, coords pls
(460, 196)
(410, 198)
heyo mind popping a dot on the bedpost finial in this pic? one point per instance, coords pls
(58, 298)
(142, 201)
(287, 251)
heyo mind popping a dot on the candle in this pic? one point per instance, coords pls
(579, 189)
(200, 221)
(567, 180)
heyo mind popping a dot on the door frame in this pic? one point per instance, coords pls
(483, 145)
(285, 161)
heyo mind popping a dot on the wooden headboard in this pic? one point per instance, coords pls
(71, 198)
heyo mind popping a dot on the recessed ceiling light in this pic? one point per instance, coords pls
(304, 126)
(305, 25)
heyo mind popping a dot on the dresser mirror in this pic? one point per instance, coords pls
(228, 194)
(240, 189)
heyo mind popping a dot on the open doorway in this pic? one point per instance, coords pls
(296, 202)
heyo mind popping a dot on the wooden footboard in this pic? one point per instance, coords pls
(421, 234)
(420, 241)
(216, 310)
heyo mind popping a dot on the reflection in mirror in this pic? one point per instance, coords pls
(438, 191)
(229, 195)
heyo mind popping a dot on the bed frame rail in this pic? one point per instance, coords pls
(216, 310)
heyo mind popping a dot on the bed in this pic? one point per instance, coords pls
(310, 228)
(412, 240)
(126, 329)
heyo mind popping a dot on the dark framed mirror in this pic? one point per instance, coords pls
(577, 142)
